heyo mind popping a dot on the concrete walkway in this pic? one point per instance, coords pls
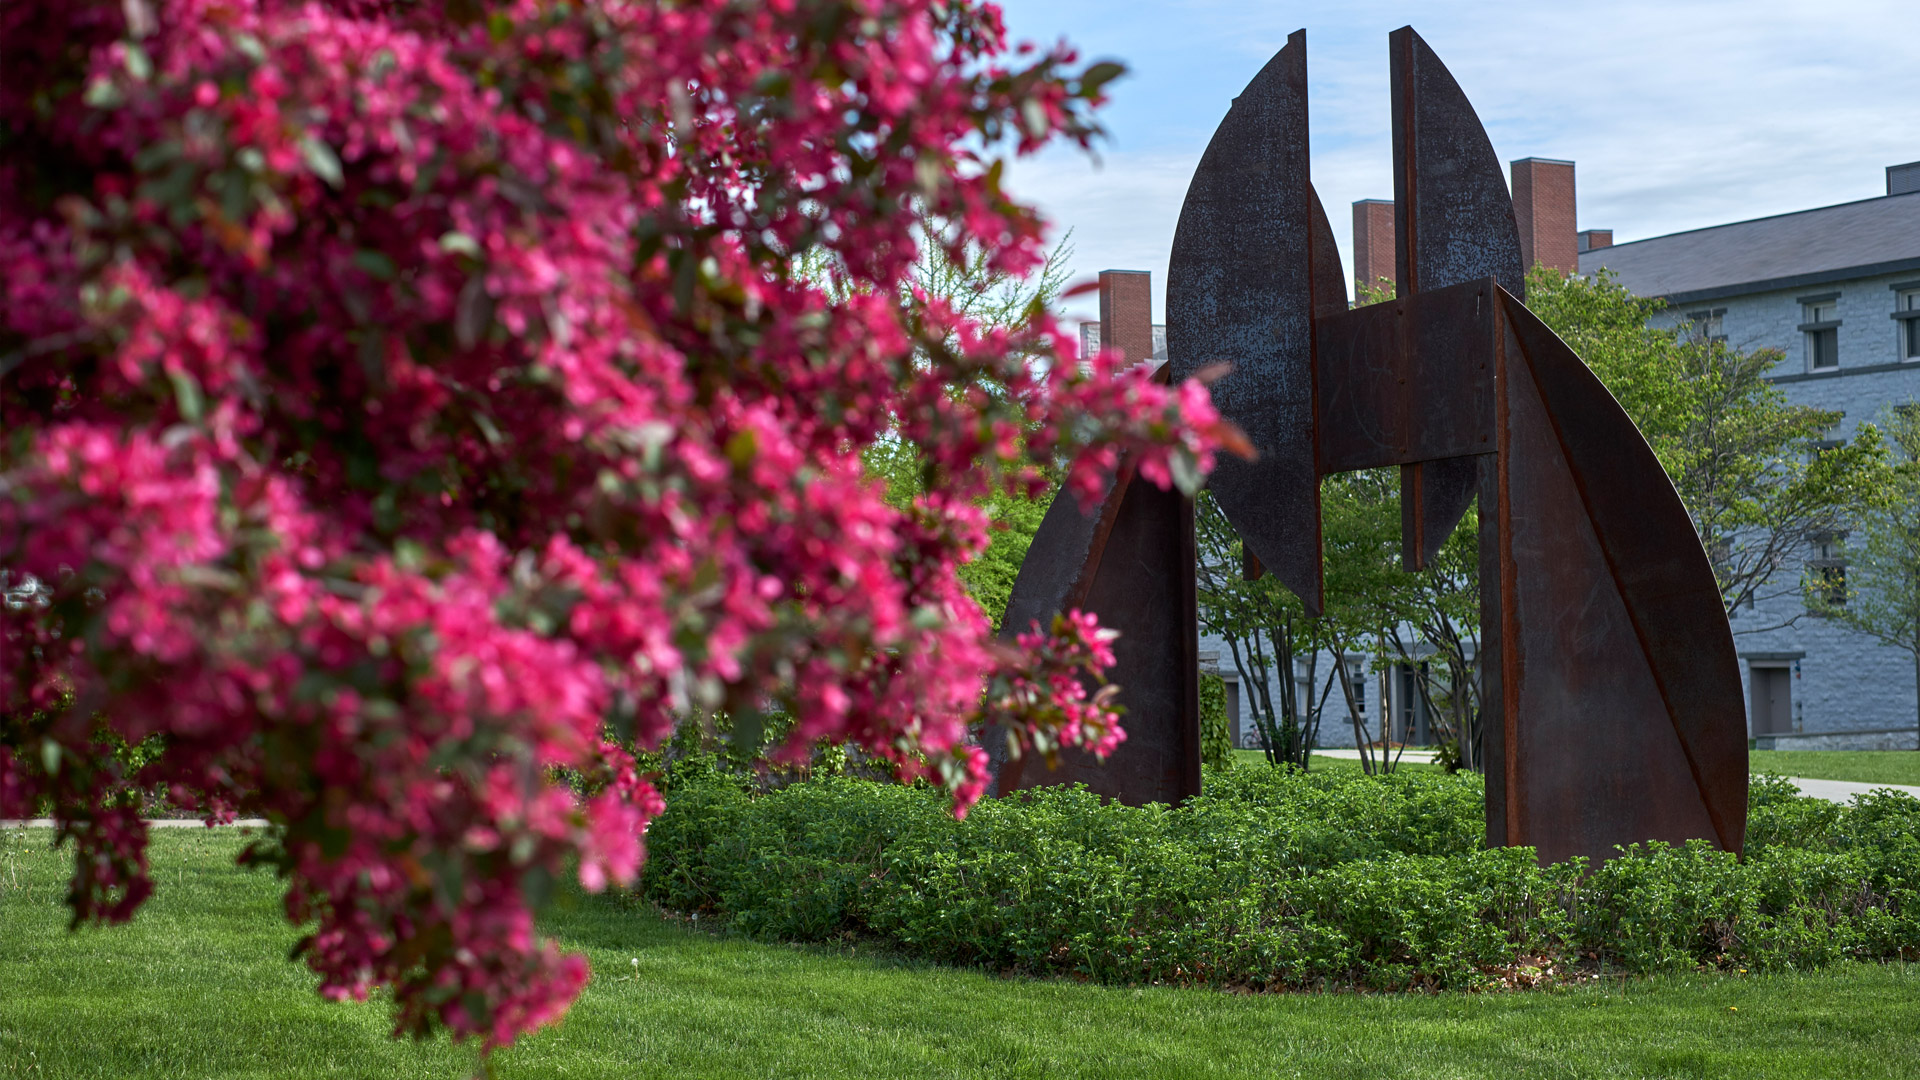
(1843, 791)
(1410, 755)
(1840, 791)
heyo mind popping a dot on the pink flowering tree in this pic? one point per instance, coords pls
(404, 401)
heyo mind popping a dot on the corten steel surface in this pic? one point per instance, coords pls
(1240, 292)
(1449, 228)
(1612, 703)
(1129, 560)
(1617, 715)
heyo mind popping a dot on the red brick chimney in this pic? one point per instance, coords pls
(1595, 239)
(1543, 208)
(1372, 242)
(1126, 313)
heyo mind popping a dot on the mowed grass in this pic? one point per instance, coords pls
(1860, 766)
(199, 987)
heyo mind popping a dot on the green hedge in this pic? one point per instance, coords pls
(1277, 878)
(1216, 731)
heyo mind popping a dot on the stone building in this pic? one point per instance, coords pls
(1837, 290)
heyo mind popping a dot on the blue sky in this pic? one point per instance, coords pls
(1678, 114)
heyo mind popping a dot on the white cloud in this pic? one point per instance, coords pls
(1679, 115)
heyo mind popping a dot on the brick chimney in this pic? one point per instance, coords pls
(1595, 239)
(1126, 313)
(1543, 208)
(1372, 242)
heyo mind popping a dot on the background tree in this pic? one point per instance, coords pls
(1880, 593)
(994, 300)
(412, 410)
(1266, 632)
(1424, 621)
(1436, 638)
(1216, 728)
(1761, 478)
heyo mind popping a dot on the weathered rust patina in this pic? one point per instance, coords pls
(1612, 708)
(1130, 558)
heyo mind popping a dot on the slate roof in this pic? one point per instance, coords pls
(1787, 251)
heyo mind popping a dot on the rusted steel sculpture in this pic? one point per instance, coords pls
(1131, 559)
(1612, 710)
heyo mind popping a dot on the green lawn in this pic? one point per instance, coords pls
(1864, 766)
(198, 987)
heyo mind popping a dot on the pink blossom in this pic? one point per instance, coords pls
(397, 404)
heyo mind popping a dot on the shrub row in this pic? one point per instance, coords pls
(1278, 878)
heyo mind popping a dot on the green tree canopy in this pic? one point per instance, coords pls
(994, 300)
(1876, 589)
(1761, 478)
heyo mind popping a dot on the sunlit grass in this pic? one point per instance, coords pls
(199, 987)
(1861, 766)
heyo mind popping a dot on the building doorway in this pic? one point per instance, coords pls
(1411, 724)
(1772, 692)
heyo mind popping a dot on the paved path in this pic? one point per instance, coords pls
(1843, 791)
(1410, 756)
(1840, 791)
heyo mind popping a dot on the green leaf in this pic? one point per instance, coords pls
(322, 160)
(250, 47)
(459, 243)
(742, 447)
(383, 64)
(773, 84)
(375, 263)
(1100, 75)
(488, 429)
(1186, 472)
(186, 394)
(749, 732)
(139, 64)
(1034, 116)
(103, 94)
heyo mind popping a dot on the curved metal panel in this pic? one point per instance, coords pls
(1660, 711)
(1144, 588)
(1128, 559)
(1453, 223)
(1453, 216)
(1240, 291)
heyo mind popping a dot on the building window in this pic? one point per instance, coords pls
(1907, 310)
(1827, 570)
(1706, 327)
(1822, 331)
(1410, 718)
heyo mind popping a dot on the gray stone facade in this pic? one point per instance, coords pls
(1742, 281)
